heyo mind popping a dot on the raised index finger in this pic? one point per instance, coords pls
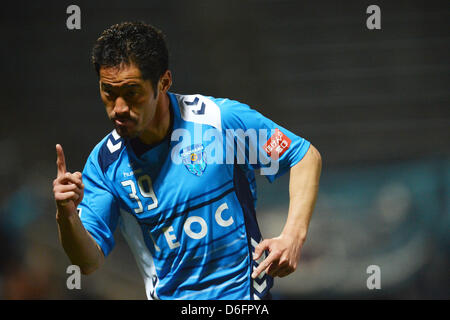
(60, 160)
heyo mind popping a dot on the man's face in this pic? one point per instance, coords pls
(129, 100)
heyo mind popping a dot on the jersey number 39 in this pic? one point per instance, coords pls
(145, 179)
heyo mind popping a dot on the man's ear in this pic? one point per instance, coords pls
(165, 82)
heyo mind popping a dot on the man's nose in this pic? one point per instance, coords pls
(120, 106)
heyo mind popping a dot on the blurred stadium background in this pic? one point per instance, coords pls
(375, 104)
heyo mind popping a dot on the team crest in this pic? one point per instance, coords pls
(194, 159)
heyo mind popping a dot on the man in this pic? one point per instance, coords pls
(184, 200)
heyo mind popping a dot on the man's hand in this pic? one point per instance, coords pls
(284, 254)
(68, 188)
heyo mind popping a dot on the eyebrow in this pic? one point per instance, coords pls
(125, 86)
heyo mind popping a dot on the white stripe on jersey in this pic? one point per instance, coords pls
(132, 233)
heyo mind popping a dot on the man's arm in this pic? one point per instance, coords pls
(284, 250)
(79, 245)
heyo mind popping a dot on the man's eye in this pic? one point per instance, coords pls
(131, 94)
(110, 95)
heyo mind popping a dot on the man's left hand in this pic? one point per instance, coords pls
(284, 254)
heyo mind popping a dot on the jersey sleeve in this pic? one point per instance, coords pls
(277, 148)
(99, 210)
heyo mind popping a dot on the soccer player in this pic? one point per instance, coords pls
(177, 175)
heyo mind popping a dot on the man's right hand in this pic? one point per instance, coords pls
(68, 188)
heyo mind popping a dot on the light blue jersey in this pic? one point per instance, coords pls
(186, 206)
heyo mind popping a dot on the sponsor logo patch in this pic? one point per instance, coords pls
(277, 144)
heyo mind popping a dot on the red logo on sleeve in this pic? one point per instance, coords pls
(277, 144)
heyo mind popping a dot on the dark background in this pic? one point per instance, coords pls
(374, 102)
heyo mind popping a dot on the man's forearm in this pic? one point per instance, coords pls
(303, 189)
(78, 244)
(284, 251)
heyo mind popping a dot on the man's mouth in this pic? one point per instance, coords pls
(123, 121)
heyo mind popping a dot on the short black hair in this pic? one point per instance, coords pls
(133, 42)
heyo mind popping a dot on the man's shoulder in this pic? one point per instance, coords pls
(223, 103)
(209, 110)
(107, 151)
